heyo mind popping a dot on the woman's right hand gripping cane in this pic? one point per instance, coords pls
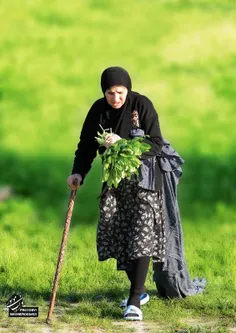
(74, 181)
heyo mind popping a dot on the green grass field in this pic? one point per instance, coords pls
(182, 55)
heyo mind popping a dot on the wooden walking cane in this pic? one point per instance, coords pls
(62, 251)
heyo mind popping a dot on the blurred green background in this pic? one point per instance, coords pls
(180, 53)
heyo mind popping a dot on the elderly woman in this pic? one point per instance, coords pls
(130, 227)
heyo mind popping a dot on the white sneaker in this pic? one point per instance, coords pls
(144, 298)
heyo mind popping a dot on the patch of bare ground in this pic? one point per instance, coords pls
(140, 327)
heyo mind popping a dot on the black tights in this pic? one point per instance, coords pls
(137, 276)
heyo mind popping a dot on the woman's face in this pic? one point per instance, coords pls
(116, 96)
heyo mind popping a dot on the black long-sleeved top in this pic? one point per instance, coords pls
(120, 122)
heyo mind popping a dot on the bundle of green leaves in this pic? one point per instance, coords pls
(121, 159)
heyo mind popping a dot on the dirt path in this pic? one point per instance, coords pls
(38, 325)
(135, 327)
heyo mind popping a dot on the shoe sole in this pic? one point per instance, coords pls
(133, 319)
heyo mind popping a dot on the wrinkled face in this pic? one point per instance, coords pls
(116, 96)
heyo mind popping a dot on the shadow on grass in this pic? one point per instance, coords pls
(106, 303)
(100, 303)
(96, 295)
(43, 179)
(206, 180)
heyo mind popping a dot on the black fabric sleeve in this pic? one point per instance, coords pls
(87, 146)
(149, 122)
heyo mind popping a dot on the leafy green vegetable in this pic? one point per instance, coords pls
(122, 159)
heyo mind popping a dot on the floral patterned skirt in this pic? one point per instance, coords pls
(131, 224)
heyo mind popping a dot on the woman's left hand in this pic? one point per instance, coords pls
(110, 139)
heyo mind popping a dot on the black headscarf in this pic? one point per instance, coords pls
(115, 76)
